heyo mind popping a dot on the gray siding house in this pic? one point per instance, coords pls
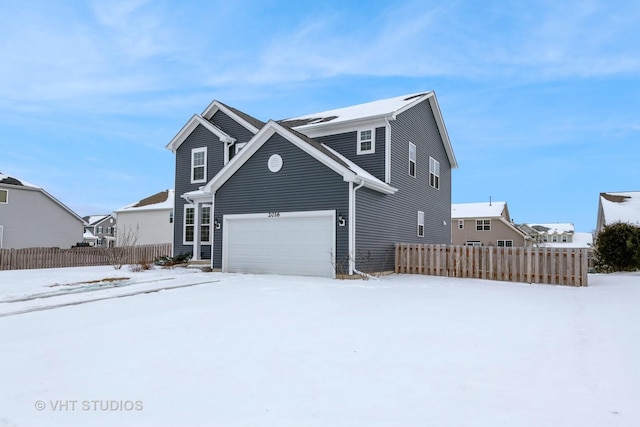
(321, 194)
(32, 218)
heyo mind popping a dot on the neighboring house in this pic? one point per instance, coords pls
(100, 231)
(320, 194)
(485, 224)
(557, 235)
(31, 217)
(618, 207)
(148, 221)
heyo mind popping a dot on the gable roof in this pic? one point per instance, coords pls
(330, 158)
(190, 126)
(383, 109)
(94, 219)
(249, 122)
(6, 180)
(159, 201)
(479, 210)
(619, 207)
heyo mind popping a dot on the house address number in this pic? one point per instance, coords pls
(274, 214)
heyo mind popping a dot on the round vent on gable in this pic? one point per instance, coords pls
(275, 163)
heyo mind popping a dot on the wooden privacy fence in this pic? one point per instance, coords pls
(19, 259)
(556, 266)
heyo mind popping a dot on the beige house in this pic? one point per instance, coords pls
(485, 224)
(618, 207)
(148, 221)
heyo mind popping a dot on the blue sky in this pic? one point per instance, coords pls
(541, 99)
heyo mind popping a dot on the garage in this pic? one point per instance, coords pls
(290, 243)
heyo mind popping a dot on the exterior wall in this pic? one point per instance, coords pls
(303, 184)
(104, 236)
(200, 137)
(32, 219)
(499, 231)
(152, 226)
(383, 220)
(347, 145)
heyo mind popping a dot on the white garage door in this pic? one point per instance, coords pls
(295, 243)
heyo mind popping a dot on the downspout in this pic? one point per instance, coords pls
(352, 233)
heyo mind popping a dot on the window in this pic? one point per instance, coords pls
(109, 230)
(171, 217)
(4, 196)
(461, 224)
(554, 239)
(99, 230)
(366, 143)
(199, 165)
(420, 224)
(564, 238)
(99, 242)
(205, 224)
(545, 238)
(473, 243)
(483, 225)
(505, 243)
(434, 173)
(188, 224)
(412, 159)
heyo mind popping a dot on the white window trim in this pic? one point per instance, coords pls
(184, 225)
(210, 225)
(239, 146)
(434, 169)
(414, 160)
(482, 224)
(420, 231)
(504, 243)
(359, 149)
(193, 152)
(461, 224)
(473, 243)
(6, 197)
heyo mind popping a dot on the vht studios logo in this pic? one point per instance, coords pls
(90, 405)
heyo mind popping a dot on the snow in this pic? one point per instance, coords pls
(554, 228)
(92, 219)
(579, 240)
(382, 107)
(477, 210)
(166, 204)
(627, 211)
(245, 350)
(24, 183)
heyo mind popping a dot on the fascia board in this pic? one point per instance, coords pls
(189, 127)
(443, 130)
(314, 131)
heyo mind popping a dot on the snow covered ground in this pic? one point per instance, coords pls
(212, 349)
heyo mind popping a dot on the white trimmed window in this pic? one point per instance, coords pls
(461, 224)
(434, 173)
(473, 243)
(420, 224)
(483, 225)
(99, 230)
(564, 238)
(366, 142)
(412, 159)
(4, 196)
(205, 224)
(554, 238)
(505, 243)
(198, 165)
(189, 224)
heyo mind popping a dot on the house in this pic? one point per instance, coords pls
(31, 217)
(618, 207)
(557, 235)
(485, 224)
(146, 222)
(320, 194)
(100, 230)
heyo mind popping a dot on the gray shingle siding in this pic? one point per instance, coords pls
(347, 145)
(200, 137)
(383, 220)
(303, 184)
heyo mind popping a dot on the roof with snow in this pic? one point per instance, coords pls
(93, 219)
(158, 201)
(554, 228)
(579, 240)
(478, 210)
(620, 207)
(9, 180)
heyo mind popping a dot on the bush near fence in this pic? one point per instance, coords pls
(31, 258)
(556, 266)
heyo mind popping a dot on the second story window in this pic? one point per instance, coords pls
(366, 143)
(483, 225)
(199, 165)
(412, 159)
(4, 196)
(434, 173)
(461, 224)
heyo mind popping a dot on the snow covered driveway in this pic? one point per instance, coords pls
(245, 350)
